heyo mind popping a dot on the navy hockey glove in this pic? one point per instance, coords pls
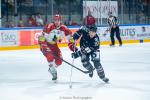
(76, 54)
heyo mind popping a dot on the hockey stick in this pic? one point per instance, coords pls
(70, 85)
(75, 66)
(83, 71)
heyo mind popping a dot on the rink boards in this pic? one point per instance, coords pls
(26, 38)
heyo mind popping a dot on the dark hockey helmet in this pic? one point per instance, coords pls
(92, 28)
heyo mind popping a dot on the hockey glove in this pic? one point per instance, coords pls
(72, 46)
(44, 48)
(76, 54)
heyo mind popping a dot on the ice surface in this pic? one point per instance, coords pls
(24, 76)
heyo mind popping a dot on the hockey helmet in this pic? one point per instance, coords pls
(57, 17)
(92, 28)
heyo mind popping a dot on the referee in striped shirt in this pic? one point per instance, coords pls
(114, 29)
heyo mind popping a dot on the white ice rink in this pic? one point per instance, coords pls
(24, 76)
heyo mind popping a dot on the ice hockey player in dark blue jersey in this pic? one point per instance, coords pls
(89, 48)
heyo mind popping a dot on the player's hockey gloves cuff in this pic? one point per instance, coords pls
(76, 54)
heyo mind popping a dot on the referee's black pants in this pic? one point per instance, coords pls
(115, 31)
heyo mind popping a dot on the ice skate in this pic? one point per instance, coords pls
(106, 80)
(91, 71)
(120, 45)
(54, 76)
(54, 79)
(91, 74)
(112, 45)
(53, 72)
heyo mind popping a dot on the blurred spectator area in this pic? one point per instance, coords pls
(19, 11)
